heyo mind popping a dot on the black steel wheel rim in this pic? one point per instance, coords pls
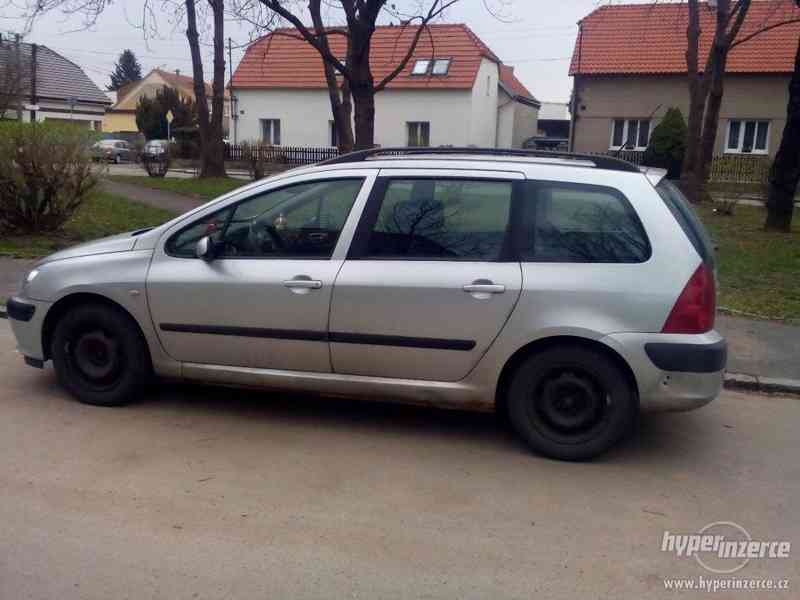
(95, 357)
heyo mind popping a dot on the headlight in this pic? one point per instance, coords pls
(31, 275)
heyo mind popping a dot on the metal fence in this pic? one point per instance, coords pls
(740, 169)
(287, 155)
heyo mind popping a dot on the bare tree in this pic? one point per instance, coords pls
(15, 77)
(785, 171)
(212, 151)
(361, 18)
(706, 86)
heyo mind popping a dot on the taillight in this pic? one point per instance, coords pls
(696, 306)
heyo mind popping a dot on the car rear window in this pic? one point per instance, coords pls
(569, 222)
(688, 220)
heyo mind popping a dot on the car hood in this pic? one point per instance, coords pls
(116, 243)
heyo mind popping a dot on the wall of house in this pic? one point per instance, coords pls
(482, 129)
(90, 115)
(120, 121)
(305, 115)
(505, 120)
(602, 99)
(526, 123)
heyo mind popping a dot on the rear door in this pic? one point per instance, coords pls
(430, 278)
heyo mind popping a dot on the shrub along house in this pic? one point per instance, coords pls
(453, 91)
(629, 67)
(48, 87)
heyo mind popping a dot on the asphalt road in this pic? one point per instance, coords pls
(212, 493)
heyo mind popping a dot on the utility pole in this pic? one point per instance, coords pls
(18, 75)
(234, 116)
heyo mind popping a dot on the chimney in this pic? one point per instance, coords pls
(178, 72)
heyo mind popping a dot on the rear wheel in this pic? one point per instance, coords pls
(571, 402)
(99, 355)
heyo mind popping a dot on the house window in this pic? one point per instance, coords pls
(419, 133)
(633, 134)
(271, 132)
(440, 66)
(333, 135)
(747, 137)
(421, 67)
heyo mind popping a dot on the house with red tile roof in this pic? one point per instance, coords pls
(629, 67)
(121, 117)
(453, 91)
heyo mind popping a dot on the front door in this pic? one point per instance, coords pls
(263, 300)
(430, 279)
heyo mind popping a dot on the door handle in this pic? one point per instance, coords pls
(303, 284)
(484, 288)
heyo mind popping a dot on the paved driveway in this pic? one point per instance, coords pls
(213, 493)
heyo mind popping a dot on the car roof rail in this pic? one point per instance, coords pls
(601, 161)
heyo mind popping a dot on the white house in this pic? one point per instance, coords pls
(453, 91)
(49, 87)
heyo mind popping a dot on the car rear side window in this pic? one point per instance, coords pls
(570, 222)
(441, 219)
(685, 216)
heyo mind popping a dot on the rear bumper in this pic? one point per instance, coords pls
(674, 372)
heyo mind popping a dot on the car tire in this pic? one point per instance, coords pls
(571, 402)
(99, 355)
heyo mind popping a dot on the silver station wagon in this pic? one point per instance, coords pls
(568, 292)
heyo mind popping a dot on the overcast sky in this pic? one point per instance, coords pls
(537, 41)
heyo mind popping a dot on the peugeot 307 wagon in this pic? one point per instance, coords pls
(568, 292)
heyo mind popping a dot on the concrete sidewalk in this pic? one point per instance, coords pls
(177, 203)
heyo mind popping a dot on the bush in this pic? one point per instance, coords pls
(45, 174)
(667, 144)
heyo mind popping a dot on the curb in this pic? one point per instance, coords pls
(757, 383)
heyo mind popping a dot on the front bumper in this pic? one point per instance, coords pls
(674, 372)
(28, 331)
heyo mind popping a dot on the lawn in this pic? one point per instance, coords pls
(204, 189)
(759, 272)
(100, 215)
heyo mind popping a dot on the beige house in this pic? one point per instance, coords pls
(121, 117)
(624, 84)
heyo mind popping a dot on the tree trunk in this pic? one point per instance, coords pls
(785, 172)
(213, 163)
(364, 102)
(362, 85)
(690, 181)
(212, 151)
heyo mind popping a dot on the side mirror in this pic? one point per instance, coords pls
(204, 248)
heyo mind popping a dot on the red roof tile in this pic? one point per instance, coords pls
(281, 60)
(651, 38)
(508, 79)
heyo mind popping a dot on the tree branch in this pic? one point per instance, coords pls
(750, 36)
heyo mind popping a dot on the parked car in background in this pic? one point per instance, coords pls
(115, 151)
(155, 148)
(568, 292)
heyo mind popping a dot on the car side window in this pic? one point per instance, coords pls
(566, 222)
(441, 219)
(298, 221)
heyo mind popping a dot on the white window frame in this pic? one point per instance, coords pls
(627, 121)
(439, 61)
(742, 124)
(418, 125)
(271, 140)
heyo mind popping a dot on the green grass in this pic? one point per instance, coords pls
(100, 215)
(759, 272)
(204, 189)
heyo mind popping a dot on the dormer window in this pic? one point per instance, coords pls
(441, 66)
(431, 66)
(343, 60)
(421, 67)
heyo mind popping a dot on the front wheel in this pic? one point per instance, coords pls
(571, 402)
(99, 355)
